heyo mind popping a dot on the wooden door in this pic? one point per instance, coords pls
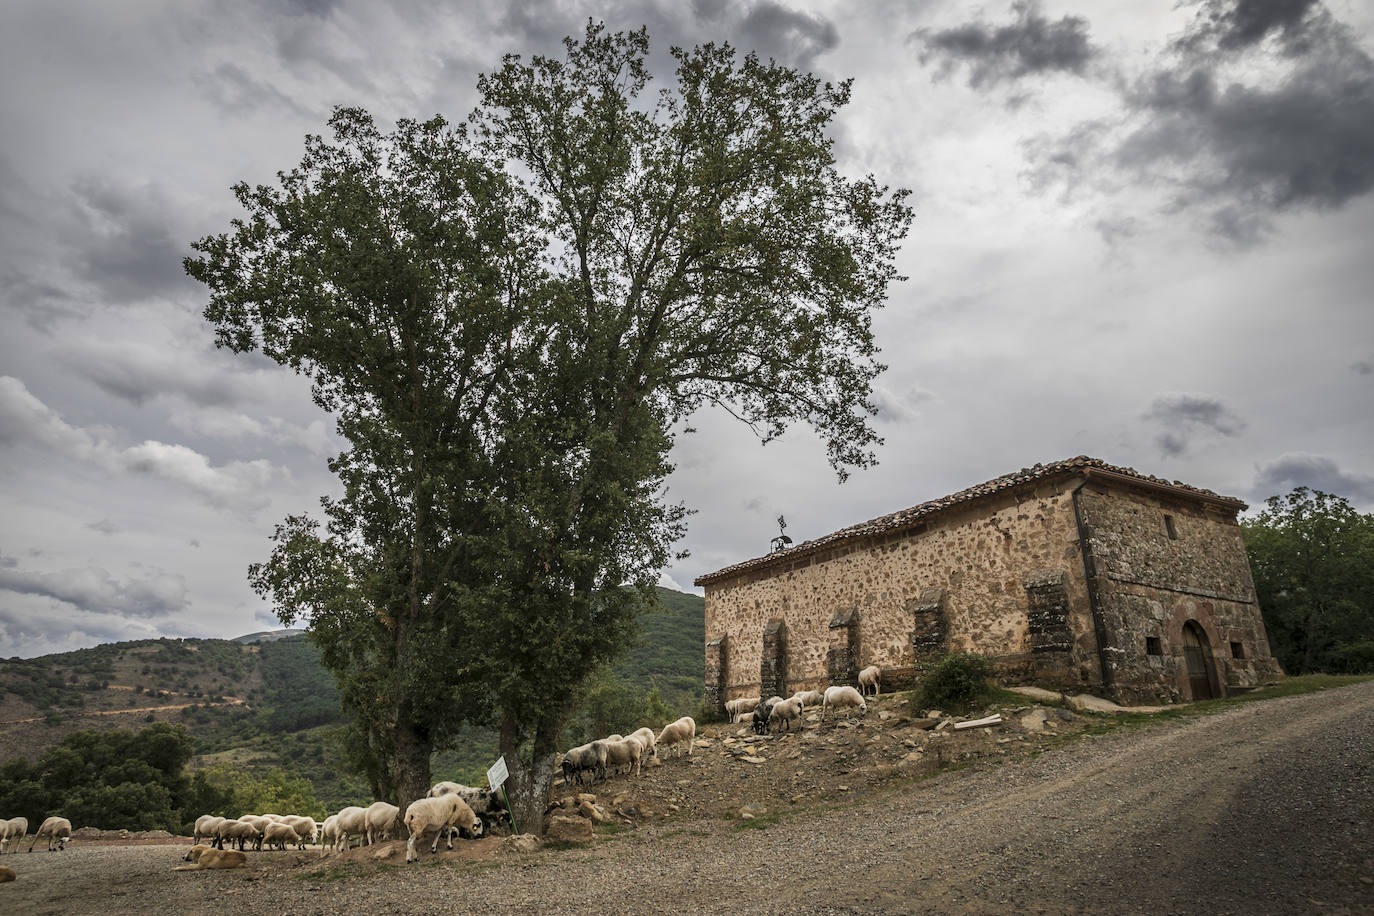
(1197, 653)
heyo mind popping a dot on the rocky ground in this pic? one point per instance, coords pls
(1265, 807)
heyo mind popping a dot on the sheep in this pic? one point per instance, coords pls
(870, 677)
(305, 828)
(239, 832)
(808, 698)
(648, 739)
(15, 829)
(761, 713)
(436, 815)
(629, 751)
(582, 759)
(676, 733)
(484, 802)
(842, 698)
(205, 827)
(259, 823)
(201, 856)
(352, 823)
(381, 821)
(279, 835)
(787, 712)
(57, 830)
(329, 833)
(741, 704)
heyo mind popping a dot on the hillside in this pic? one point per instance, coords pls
(267, 704)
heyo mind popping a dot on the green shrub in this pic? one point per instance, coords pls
(956, 683)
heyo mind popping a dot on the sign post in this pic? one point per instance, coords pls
(496, 779)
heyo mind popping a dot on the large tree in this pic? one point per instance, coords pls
(1312, 555)
(653, 255)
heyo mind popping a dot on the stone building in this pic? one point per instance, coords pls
(1075, 575)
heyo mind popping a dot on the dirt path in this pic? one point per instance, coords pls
(1265, 808)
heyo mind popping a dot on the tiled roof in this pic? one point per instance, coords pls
(909, 517)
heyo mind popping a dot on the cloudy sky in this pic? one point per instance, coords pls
(1143, 233)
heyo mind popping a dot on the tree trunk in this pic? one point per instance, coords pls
(413, 752)
(530, 784)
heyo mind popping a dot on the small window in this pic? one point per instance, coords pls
(1153, 647)
(1169, 527)
(1237, 650)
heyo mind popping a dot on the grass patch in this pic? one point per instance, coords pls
(760, 822)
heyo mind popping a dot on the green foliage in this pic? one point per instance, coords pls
(227, 791)
(1312, 556)
(955, 683)
(107, 779)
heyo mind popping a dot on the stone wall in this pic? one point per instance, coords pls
(1155, 576)
(973, 561)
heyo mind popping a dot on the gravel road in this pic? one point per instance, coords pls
(1266, 808)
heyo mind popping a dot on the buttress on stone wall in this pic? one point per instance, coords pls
(1004, 576)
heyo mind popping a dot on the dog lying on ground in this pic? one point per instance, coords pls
(202, 856)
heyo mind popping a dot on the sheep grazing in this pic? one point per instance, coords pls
(785, 713)
(437, 815)
(381, 821)
(761, 713)
(205, 828)
(628, 752)
(201, 856)
(56, 830)
(329, 833)
(485, 803)
(239, 833)
(352, 823)
(279, 835)
(259, 824)
(740, 705)
(647, 737)
(842, 698)
(15, 829)
(870, 677)
(683, 731)
(808, 698)
(305, 828)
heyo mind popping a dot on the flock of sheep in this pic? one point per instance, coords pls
(449, 808)
(778, 712)
(627, 751)
(56, 830)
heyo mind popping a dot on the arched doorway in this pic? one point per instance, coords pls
(1197, 653)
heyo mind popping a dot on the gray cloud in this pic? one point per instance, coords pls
(997, 54)
(105, 526)
(94, 590)
(792, 37)
(1316, 472)
(1181, 417)
(138, 373)
(1236, 129)
(129, 249)
(1363, 367)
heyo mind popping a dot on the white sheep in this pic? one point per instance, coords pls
(352, 823)
(676, 733)
(329, 833)
(240, 832)
(842, 698)
(485, 803)
(437, 815)
(628, 752)
(807, 698)
(870, 677)
(381, 821)
(279, 834)
(647, 737)
(305, 828)
(259, 823)
(785, 712)
(582, 759)
(205, 827)
(740, 705)
(57, 830)
(15, 829)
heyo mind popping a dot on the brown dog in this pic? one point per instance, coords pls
(202, 856)
(6, 874)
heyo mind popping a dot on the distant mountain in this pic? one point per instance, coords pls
(267, 636)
